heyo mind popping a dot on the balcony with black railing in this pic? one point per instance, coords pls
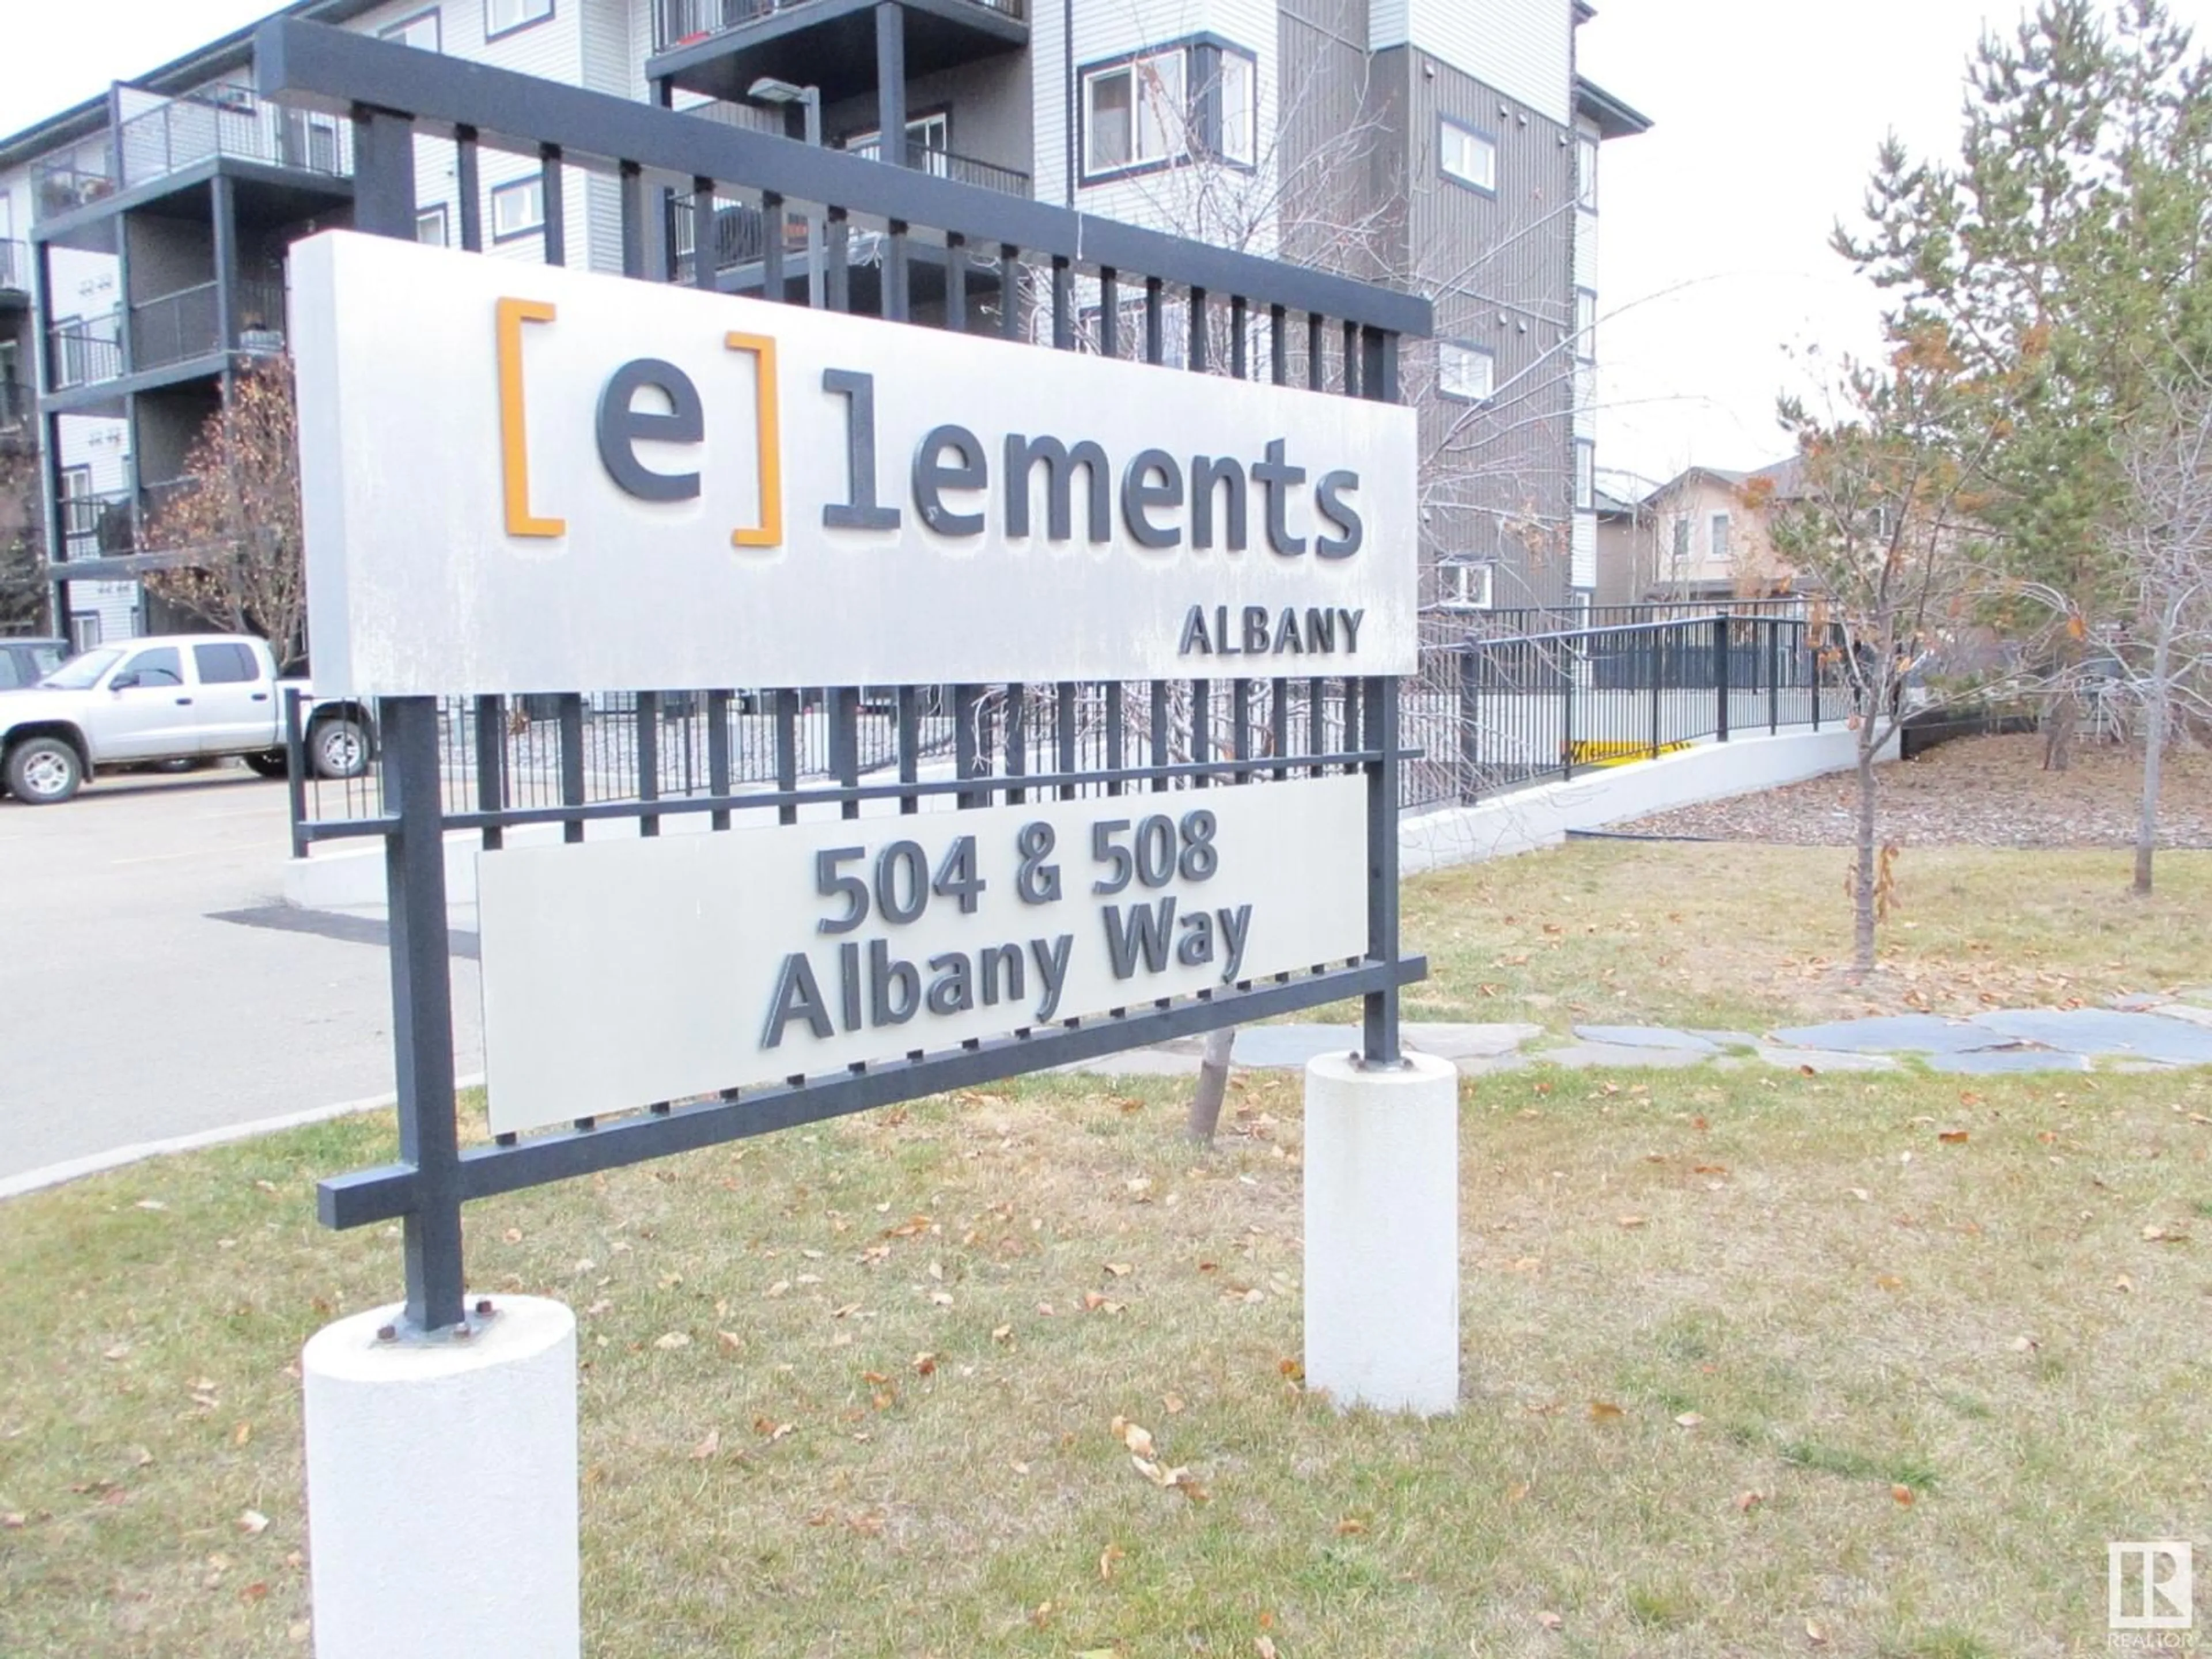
(741, 229)
(677, 24)
(97, 526)
(84, 351)
(176, 134)
(720, 47)
(947, 164)
(179, 327)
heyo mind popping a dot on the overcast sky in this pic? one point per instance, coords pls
(1715, 223)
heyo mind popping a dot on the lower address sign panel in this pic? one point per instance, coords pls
(621, 973)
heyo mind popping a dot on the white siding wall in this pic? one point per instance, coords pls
(103, 448)
(1524, 48)
(608, 68)
(553, 50)
(1582, 565)
(15, 209)
(1108, 28)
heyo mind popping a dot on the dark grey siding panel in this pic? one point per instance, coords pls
(1364, 195)
(1500, 268)
(1340, 147)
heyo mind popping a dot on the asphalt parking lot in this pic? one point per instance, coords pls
(151, 986)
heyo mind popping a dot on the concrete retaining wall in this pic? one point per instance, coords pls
(1541, 816)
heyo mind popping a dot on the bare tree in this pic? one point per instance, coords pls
(237, 521)
(1884, 524)
(26, 592)
(2167, 541)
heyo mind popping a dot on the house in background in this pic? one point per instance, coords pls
(1702, 535)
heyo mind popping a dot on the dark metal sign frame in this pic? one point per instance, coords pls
(392, 93)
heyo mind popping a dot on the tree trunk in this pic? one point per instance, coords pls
(1212, 1083)
(2154, 722)
(1862, 881)
(2059, 726)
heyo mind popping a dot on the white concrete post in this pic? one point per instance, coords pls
(441, 1488)
(1382, 1191)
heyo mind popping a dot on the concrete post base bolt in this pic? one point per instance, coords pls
(1382, 1221)
(441, 1486)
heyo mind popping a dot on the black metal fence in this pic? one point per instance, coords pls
(577, 750)
(1501, 713)
(457, 768)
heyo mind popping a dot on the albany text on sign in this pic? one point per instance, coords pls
(520, 478)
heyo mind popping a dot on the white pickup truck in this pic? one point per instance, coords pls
(179, 696)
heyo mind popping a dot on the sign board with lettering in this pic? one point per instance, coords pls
(517, 479)
(808, 948)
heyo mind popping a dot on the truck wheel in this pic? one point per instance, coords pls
(43, 771)
(269, 764)
(338, 747)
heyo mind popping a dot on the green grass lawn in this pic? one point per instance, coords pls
(1751, 1358)
(1738, 936)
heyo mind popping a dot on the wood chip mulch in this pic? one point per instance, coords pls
(1975, 792)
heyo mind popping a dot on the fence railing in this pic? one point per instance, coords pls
(1516, 621)
(96, 526)
(1495, 714)
(59, 187)
(230, 121)
(684, 23)
(578, 750)
(84, 351)
(175, 328)
(949, 164)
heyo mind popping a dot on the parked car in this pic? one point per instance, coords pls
(26, 661)
(183, 696)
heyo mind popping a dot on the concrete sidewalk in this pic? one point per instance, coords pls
(2148, 1033)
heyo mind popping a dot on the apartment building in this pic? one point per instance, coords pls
(1446, 146)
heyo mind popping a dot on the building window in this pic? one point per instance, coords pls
(421, 31)
(159, 668)
(1465, 583)
(1585, 325)
(1466, 371)
(226, 664)
(1585, 476)
(1167, 104)
(1586, 172)
(430, 226)
(505, 16)
(1681, 542)
(1237, 107)
(1468, 155)
(518, 209)
(1717, 546)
